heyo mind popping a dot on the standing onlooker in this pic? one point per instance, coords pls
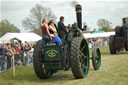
(2, 58)
(22, 54)
(17, 54)
(31, 54)
(26, 53)
(9, 56)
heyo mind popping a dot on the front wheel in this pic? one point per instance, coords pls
(79, 54)
(96, 58)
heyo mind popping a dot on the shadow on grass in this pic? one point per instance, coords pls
(123, 52)
(119, 53)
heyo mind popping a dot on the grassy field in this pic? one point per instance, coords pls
(113, 71)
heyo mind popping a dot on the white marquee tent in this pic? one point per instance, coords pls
(98, 35)
(30, 37)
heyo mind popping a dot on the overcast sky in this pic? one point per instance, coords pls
(112, 10)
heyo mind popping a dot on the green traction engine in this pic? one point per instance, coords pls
(73, 54)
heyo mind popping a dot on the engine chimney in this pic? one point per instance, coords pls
(79, 15)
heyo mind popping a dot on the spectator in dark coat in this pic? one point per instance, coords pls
(22, 54)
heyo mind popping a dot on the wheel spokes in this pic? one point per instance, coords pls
(83, 67)
(82, 48)
(83, 60)
(97, 57)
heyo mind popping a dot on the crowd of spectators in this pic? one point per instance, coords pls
(23, 55)
(98, 42)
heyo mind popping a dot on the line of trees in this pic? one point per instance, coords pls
(6, 26)
(104, 25)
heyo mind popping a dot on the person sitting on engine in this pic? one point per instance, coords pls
(46, 37)
(52, 28)
(57, 39)
(53, 32)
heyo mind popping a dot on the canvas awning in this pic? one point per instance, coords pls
(21, 36)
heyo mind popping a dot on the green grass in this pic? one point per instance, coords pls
(104, 50)
(113, 71)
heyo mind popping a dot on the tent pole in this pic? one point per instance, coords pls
(13, 66)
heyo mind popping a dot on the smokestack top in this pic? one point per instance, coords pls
(78, 8)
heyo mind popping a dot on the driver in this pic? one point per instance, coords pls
(62, 29)
(124, 28)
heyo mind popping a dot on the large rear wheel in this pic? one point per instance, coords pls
(118, 31)
(67, 58)
(79, 54)
(40, 71)
(111, 45)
